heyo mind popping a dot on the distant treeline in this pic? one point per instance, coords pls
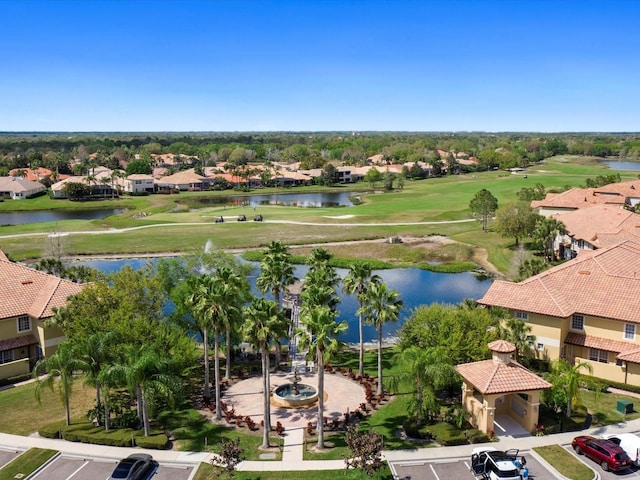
(313, 149)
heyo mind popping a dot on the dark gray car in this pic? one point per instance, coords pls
(134, 467)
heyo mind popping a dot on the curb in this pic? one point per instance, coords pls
(41, 467)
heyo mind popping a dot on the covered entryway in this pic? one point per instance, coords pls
(501, 395)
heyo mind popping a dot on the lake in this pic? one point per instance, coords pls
(321, 199)
(416, 287)
(621, 164)
(37, 216)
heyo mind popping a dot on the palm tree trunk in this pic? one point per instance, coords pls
(145, 417)
(107, 422)
(207, 382)
(227, 373)
(216, 372)
(267, 406)
(320, 361)
(380, 389)
(67, 411)
(139, 400)
(361, 352)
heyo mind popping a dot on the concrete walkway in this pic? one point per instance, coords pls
(292, 455)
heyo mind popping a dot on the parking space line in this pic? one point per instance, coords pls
(434, 471)
(78, 469)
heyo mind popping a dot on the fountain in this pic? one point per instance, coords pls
(295, 394)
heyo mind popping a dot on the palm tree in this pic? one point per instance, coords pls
(95, 353)
(319, 334)
(198, 287)
(357, 283)
(263, 321)
(381, 306)
(567, 377)
(276, 270)
(145, 371)
(319, 257)
(519, 333)
(215, 303)
(238, 292)
(427, 370)
(545, 231)
(59, 366)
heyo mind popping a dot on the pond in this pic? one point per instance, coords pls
(321, 199)
(622, 164)
(416, 287)
(37, 216)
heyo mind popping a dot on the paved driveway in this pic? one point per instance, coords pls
(73, 468)
(457, 470)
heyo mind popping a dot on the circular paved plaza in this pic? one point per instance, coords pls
(341, 395)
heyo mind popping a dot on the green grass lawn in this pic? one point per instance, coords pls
(206, 472)
(26, 464)
(22, 414)
(430, 200)
(565, 463)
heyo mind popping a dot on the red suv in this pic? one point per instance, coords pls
(609, 455)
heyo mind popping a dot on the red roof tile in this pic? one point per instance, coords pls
(490, 377)
(26, 291)
(502, 346)
(600, 343)
(603, 283)
(17, 342)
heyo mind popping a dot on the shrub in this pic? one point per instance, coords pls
(159, 441)
(52, 430)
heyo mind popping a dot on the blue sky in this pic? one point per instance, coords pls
(320, 65)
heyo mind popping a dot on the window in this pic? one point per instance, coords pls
(563, 351)
(522, 315)
(138, 182)
(629, 331)
(597, 355)
(577, 322)
(24, 323)
(540, 346)
(6, 356)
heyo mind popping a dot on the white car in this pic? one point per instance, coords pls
(492, 464)
(629, 442)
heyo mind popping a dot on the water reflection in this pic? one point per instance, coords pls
(622, 164)
(323, 199)
(417, 287)
(39, 216)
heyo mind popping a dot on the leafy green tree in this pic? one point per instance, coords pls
(528, 194)
(515, 219)
(58, 370)
(138, 166)
(357, 282)
(387, 180)
(519, 333)
(531, 267)
(464, 333)
(264, 322)
(147, 373)
(545, 231)
(382, 305)
(76, 190)
(319, 334)
(485, 205)
(373, 176)
(425, 370)
(566, 378)
(329, 175)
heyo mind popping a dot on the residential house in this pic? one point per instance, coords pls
(28, 299)
(101, 181)
(33, 174)
(18, 188)
(584, 310)
(138, 183)
(595, 227)
(623, 194)
(184, 180)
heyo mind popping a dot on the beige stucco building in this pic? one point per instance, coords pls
(27, 300)
(584, 310)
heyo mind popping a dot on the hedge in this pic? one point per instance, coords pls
(85, 432)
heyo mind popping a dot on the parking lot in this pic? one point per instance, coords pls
(627, 474)
(73, 468)
(458, 469)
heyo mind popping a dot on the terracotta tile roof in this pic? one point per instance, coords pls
(601, 225)
(492, 376)
(26, 291)
(17, 342)
(600, 343)
(502, 346)
(603, 283)
(632, 355)
(614, 193)
(183, 177)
